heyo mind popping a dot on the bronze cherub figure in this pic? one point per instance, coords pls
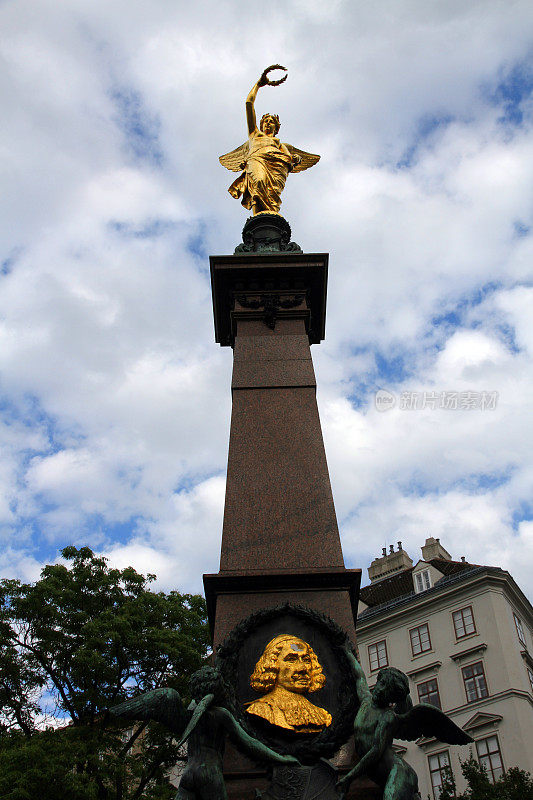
(385, 714)
(205, 724)
(263, 161)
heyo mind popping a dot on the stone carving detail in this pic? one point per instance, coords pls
(267, 233)
(290, 782)
(316, 782)
(270, 303)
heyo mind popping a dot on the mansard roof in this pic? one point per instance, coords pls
(396, 589)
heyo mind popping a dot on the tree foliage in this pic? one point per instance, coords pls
(515, 784)
(81, 639)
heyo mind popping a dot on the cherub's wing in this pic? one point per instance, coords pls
(197, 714)
(234, 160)
(162, 705)
(307, 159)
(426, 720)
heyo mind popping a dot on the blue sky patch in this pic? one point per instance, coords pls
(197, 245)
(521, 229)
(480, 482)
(511, 89)
(140, 128)
(392, 368)
(426, 127)
(421, 484)
(523, 513)
(457, 309)
(6, 266)
(149, 229)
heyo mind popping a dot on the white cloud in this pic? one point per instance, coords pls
(117, 400)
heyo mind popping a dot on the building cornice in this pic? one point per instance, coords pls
(528, 658)
(481, 720)
(487, 701)
(478, 648)
(435, 665)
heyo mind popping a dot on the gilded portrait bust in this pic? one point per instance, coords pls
(287, 670)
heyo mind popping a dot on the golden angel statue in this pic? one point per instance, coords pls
(263, 161)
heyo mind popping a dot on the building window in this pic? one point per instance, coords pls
(422, 581)
(428, 692)
(439, 770)
(420, 641)
(475, 683)
(463, 622)
(490, 757)
(530, 673)
(519, 629)
(377, 655)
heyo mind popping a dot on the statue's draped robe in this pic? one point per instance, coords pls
(290, 710)
(266, 168)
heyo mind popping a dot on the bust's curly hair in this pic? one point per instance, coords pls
(276, 122)
(265, 673)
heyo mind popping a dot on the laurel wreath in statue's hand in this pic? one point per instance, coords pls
(265, 81)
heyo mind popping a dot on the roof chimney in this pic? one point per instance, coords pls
(390, 563)
(463, 559)
(434, 549)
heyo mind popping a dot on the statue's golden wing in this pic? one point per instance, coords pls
(306, 159)
(234, 160)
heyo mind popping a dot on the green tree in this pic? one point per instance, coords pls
(515, 784)
(81, 639)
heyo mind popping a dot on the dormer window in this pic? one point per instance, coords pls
(422, 581)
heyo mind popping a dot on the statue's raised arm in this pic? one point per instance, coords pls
(250, 100)
(264, 161)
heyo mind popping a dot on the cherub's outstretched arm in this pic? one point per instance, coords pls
(361, 686)
(252, 747)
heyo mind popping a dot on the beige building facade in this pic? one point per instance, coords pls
(463, 634)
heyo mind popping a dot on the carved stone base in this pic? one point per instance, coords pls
(302, 783)
(267, 233)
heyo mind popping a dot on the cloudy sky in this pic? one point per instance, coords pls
(114, 396)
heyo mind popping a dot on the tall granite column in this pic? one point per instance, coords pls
(280, 540)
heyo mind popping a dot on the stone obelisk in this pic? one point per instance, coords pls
(280, 539)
